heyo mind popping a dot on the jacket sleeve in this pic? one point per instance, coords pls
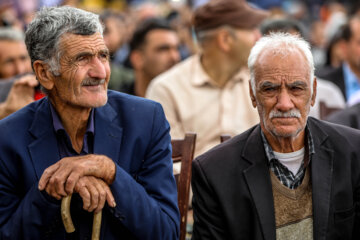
(24, 217)
(147, 204)
(208, 223)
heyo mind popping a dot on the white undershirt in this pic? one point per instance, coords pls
(291, 160)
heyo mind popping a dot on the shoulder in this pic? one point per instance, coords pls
(348, 116)
(336, 134)
(132, 110)
(127, 101)
(328, 73)
(18, 124)
(229, 153)
(175, 74)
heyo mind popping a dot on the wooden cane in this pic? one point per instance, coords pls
(67, 221)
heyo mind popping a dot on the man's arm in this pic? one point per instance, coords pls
(207, 219)
(147, 203)
(23, 216)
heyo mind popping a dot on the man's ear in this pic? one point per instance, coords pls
(137, 60)
(43, 74)
(252, 96)
(224, 40)
(313, 97)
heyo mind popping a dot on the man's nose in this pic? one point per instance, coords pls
(98, 68)
(20, 68)
(175, 55)
(284, 101)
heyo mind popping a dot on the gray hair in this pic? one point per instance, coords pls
(11, 34)
(50, 24)
(282, 43)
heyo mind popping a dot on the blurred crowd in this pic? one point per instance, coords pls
(147, 38)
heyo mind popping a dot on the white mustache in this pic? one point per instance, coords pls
(292, 113)
(92, 82)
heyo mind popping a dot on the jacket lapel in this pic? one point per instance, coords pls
(108, 134)
(321, 175)
(43, 149)
(258, 179)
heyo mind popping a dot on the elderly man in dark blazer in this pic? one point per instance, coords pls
(291, 176)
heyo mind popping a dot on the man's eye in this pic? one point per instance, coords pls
(269, 89)
(104, 56)
(296, 89)
(82, 59)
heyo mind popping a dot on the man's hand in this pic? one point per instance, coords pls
(94, 192)
(20, 95)
(60, 178)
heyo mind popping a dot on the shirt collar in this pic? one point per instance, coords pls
(201, 78)
(351, 81)
(270, 153)
(59, 126)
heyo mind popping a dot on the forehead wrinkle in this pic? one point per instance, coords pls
(74, 44)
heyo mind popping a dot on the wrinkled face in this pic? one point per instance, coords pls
(283, 93)
(84, 72)
(160, 52)
(353, 45)
(14, 59)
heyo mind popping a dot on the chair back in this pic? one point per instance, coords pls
(326, 110)
(183, 151)
(224, 137)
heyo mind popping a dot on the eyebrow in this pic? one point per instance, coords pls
(266, 84)
(298, 84)
(87, 53)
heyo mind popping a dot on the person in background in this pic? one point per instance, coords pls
(116, 37)
(153, 50)
(347, 76)
(110, 151)
(14, 58)
(207, 92)
(17, 86)
(349, 116)
(289, 177)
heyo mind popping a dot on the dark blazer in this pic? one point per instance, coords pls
(233, 193)
(335, 75)
(132, 131)
(349, 117)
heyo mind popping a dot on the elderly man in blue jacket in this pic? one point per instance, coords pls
(111, 151)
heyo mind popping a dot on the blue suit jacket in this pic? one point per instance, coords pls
(132, 131)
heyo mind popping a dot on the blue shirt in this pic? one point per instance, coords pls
(63, 139)
(352, 83)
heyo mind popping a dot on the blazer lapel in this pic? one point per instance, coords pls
(108, 134)
(258, 179)
(43, 150)
(321, 175)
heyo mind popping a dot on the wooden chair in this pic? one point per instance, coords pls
(325, 110)
(183, 151)
(224, 137)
